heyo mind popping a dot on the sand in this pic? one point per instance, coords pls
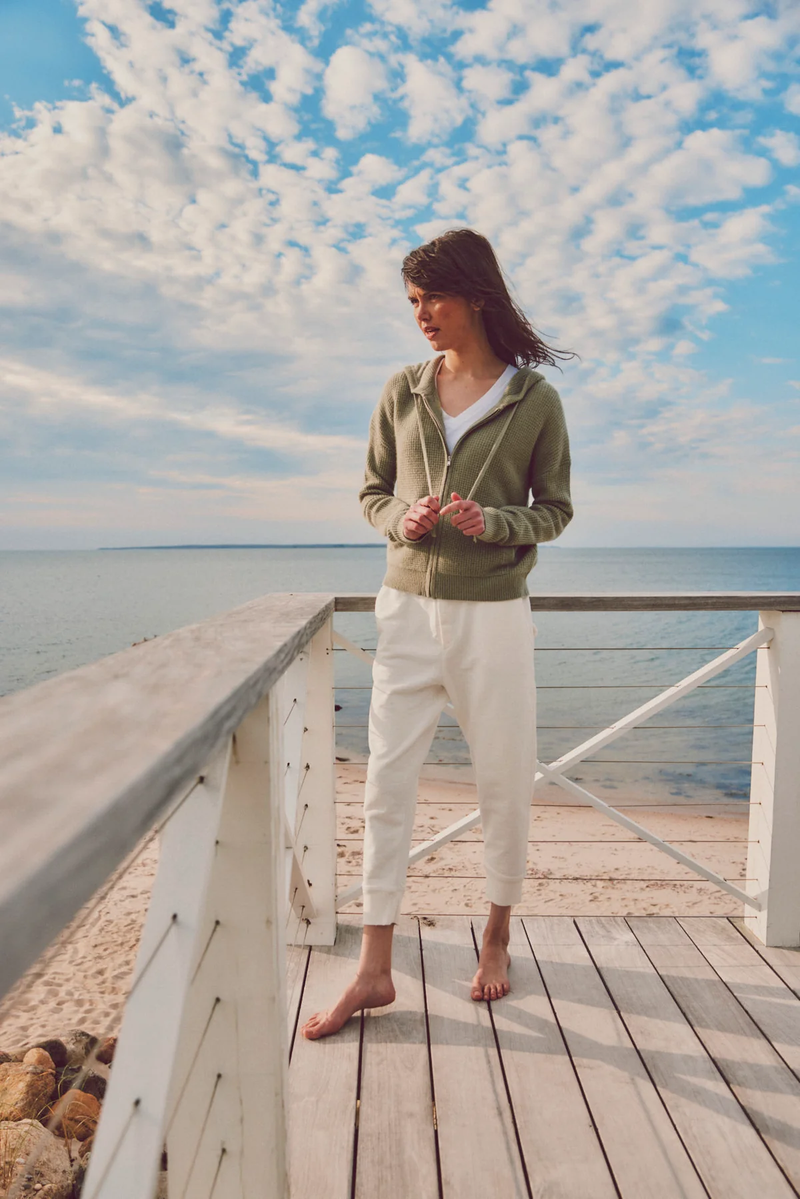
(580, 863)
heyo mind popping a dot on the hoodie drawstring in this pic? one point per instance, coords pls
(493, 451)
(424, 449)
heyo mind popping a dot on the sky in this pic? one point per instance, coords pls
(204, 207)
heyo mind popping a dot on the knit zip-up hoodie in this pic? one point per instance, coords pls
(520, 446)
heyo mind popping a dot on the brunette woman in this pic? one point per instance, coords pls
(467, 470)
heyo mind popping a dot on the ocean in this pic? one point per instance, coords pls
(60, 610)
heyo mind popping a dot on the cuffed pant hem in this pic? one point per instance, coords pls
(382, 907)
(504, 892)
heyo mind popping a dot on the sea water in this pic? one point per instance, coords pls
(59, 610)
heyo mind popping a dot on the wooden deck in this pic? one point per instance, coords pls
(635, 1058)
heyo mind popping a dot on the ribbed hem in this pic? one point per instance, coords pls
(382, 907)
(504, 892)
(458, 587)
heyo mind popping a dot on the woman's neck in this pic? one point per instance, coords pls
(476, 360)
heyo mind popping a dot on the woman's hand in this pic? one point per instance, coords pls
(467, 516)
(421, 517)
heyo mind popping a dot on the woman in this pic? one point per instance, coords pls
(457, 444)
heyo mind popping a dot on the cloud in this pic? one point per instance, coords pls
(353, 79)
(433, 100)
(783, 146)
(791, 98)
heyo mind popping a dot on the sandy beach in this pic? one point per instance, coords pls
(579, 863)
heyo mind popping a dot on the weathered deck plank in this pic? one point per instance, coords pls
(476, 1134)
(323, 1078)
(644, 1151)
(771, 1003)
(559, 1142)
(729, 1154)
(785, 962)
(762, 1083)
(396, 1149)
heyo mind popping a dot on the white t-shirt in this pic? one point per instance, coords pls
(456, 426)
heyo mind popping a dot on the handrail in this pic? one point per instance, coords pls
(90, 760)
(633, 601)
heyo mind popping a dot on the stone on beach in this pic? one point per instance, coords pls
(77, 1117)
(25, 1089)
(79, 1078)
(33, 1161)
(79, 1044)
(105, 1052)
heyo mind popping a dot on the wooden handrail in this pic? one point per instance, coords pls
(89, 760)
(633, 601)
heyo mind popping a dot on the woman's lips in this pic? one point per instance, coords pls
(430, 332)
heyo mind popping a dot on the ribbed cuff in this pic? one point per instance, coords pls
(496, 528)
(382, 907)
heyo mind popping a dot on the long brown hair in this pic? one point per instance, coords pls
(462, 263)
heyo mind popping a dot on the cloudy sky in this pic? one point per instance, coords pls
(204, 206)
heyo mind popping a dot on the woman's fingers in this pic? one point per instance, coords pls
(467, 515)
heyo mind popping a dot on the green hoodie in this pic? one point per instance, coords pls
(520, 446)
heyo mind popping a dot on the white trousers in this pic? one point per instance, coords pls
(479, 656)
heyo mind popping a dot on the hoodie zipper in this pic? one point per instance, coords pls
(433, 556)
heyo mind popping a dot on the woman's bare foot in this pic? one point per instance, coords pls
(363, 992)
(491, 977)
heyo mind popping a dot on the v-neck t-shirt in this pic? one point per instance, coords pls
(456, 426)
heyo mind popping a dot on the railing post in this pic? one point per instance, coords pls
(316, 807)
(202, 1056)
(774, 837)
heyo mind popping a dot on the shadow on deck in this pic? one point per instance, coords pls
(639, 1057)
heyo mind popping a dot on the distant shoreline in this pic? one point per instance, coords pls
(295, 545)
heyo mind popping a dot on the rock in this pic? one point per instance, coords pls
(57, 1050)
(39, 1057)
(35, 1160)
(5, 1057)
(105, 1053)
(79, 1045)
(25, 1090)
(78, 1078)
(78, 1115)
(86, 1147)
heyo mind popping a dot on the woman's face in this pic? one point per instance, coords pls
(448, 322)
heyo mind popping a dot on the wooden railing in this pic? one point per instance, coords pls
(221, 738)
(207, 731)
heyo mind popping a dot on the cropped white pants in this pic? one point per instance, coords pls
(479, 656)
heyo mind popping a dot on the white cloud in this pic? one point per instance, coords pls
(353, 79)
(435, 105)
(708, 167)
(735, 245)
(791, 98)
(737, 53)
(783, 146)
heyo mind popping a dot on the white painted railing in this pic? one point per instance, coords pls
(772, 896)
(223, 732)
(221, 736)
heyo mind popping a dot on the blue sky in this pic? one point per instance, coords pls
(204, 206)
